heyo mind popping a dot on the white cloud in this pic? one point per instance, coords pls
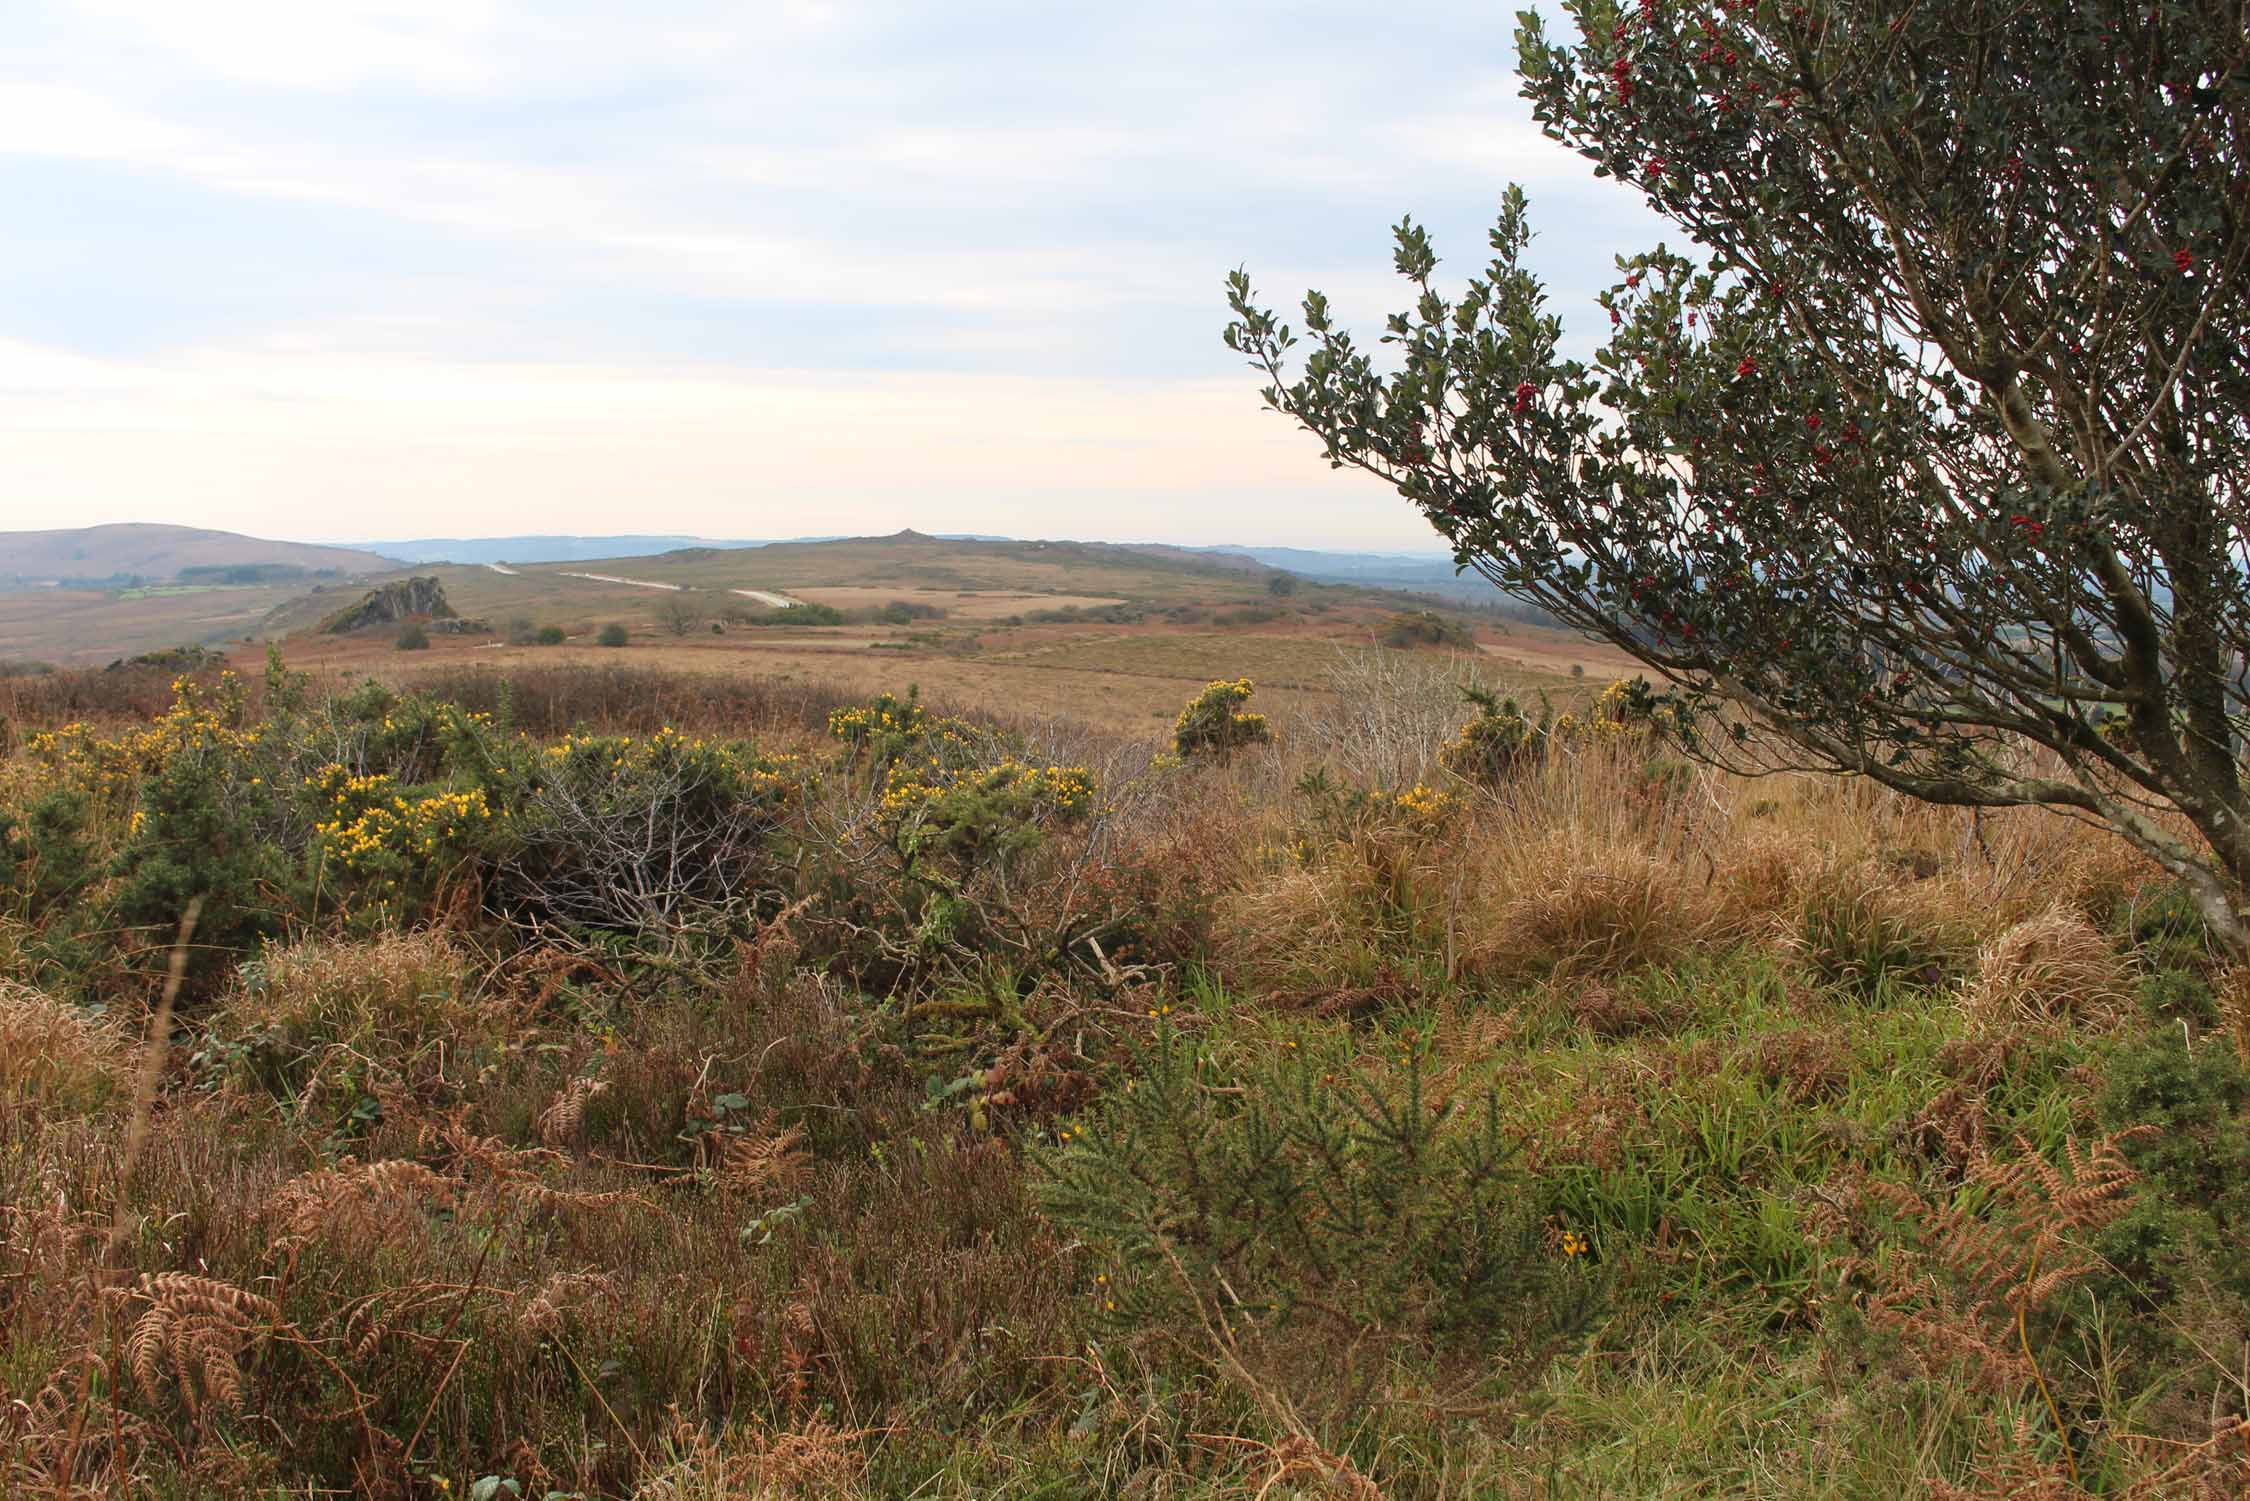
(396, 445)
(517, 214)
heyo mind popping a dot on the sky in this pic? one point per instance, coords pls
(340, 270)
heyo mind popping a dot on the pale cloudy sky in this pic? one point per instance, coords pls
(345, 269)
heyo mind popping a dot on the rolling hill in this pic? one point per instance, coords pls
(154, 552)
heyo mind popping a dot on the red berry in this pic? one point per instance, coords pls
(1748, 366)
(2183, 258)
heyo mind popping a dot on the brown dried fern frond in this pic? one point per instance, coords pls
(1977, 1262)
(2011, 1469)
(812, 1459)
(2217, 1469)
(764, 1163)
(504, 1176)
(560, 1123)
(380, 1317)
(357, 1197)
(563, 1293)
(55, 1443)
(194, 1330)
(1298, 1458)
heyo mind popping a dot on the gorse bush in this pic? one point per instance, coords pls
(1215, 723)
(612, 634)
(955, 810)
(1500, 741)
(380, 808)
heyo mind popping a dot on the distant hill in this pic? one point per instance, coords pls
(558, 548)
(134, 550)
(540, 549)
(1313, 563)
(1429, 573)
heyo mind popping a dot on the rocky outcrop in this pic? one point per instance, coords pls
(396, 602)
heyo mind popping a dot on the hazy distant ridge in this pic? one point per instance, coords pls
(146, 550)
(541, 549)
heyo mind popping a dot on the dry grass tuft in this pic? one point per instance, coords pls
(2055, 964)
(1856, 924)
(54, 1055)
(813, 1461)
(1582, 907)
(392, 993)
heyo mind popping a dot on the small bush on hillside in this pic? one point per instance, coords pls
(1427, 628)
(1499, 743)
(612, 634)
(1215, 723)
(548, 635)
(681, 613)
(792, 616)
(413, 637)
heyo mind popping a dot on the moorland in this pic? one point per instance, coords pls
(566, 1071)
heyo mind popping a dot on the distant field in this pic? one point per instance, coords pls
(957, 604)
(995, 642)
(71, 627)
